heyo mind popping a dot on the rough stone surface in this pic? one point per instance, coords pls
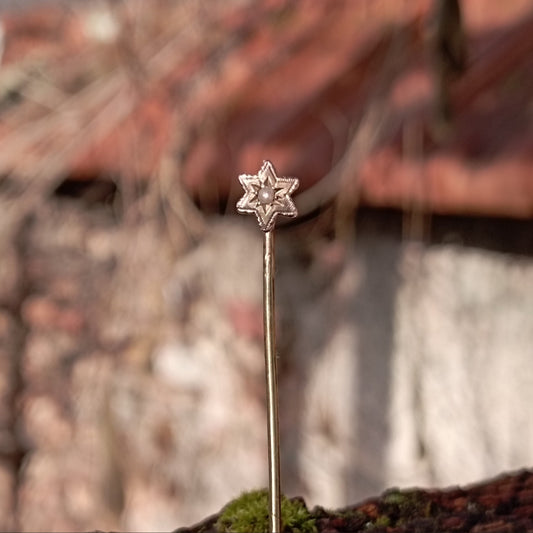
(501, 505)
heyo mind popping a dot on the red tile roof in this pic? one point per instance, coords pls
(340, 94)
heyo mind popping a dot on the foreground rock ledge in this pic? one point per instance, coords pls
(503, 504)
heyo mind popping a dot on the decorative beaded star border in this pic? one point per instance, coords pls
(266, 196)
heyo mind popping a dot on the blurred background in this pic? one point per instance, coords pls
(131, 358)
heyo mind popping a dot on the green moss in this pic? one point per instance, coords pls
(350, 514)
(382, 521)
(249, 514)
(395, 497)
(379, 523)
(401, 505)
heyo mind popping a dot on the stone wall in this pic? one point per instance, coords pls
(131, 365)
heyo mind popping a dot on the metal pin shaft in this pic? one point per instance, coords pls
(271, 383)
(267, 196)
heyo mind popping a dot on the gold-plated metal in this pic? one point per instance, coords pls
(274, 470)
(267, 196)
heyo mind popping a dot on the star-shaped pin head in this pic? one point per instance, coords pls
(266, 196)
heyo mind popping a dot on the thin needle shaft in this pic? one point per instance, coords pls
(267, 196)
(271, 383)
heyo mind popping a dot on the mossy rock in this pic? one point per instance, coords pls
(249, 514)
(499, 505)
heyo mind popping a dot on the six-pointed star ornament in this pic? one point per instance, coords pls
(267, 196)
